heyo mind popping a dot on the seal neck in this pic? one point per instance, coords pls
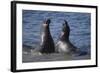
(46, 29)
(65, 32)
(64, 36)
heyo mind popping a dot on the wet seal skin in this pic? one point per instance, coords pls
(47, 43)
(64, 45)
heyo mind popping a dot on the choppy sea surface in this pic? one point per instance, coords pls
(79, 23)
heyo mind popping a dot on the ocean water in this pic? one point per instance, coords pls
(79, 23)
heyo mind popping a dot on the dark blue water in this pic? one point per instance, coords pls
(79, 23)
